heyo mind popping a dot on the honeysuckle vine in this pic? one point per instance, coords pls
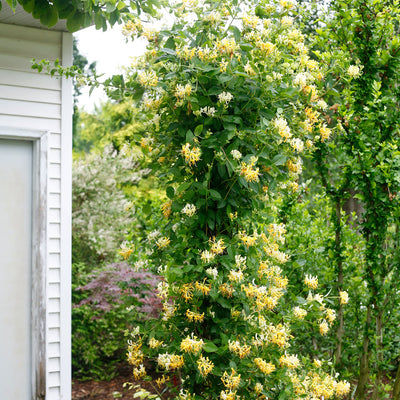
(233, 103)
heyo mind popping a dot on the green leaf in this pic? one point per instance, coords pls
(28, 6)
(301, 300)
(168, 50)
(113, 18)
(236, 33)
(12, 4)
(120, 5)
(75, 22)
(225, 78)
(211, 223)
(184, 186)
(91, 90)
(170, 192)
(147, 209)
(189, 136)
(210, 347)
(170, 43)
(117, 80)
(246, 47)
(279, 159)
(198, 130)
(49, 17)
(98, 20)
(215, 195)
(110, 7)
(224, 302)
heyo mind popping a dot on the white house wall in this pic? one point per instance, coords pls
(33, 101)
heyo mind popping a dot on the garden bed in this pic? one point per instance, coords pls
(116, 388)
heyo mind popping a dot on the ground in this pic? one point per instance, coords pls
(114, 389)
(109, 390)
(104, 390)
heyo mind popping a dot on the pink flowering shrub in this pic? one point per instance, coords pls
(108, 302)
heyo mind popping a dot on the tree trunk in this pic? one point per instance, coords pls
(353, 205)
(379, 355)
(340, 329)
(364, 361)
(396, 386)
(339, 336)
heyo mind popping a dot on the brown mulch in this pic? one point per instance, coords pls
(114, 389)
(121, 387)
(103, 390)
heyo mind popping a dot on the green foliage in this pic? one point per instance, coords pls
(363, 87)
(98, 182)
(82, 63)
(114, 123)
(107, 302)
(83, 13)
(231, 101)
(109, 198)
(311, 243)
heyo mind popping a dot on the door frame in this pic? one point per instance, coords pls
(39, 141)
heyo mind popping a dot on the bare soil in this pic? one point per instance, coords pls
(120, 387)
(123, 387)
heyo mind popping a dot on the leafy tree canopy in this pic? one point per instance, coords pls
(83, 13)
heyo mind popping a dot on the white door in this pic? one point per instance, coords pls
(16, 158)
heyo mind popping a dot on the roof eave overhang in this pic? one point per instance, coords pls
(22, 18)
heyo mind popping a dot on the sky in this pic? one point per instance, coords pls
(111, 52)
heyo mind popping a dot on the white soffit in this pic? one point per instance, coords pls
(20, 17)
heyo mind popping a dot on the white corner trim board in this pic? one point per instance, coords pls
(34, 270)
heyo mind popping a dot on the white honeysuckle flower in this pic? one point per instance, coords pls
(189, 210)
(236, 154)
(225, 97)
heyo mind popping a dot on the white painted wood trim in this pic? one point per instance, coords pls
(39, 255)
(66, 215)
(39, 273)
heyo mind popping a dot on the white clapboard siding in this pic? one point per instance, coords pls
(54, 215)
(54, 245)
(35, 101)
(32, 49)
(30, 94)
(30, 109)
(54, 304)
(53, 320)
(55, 141)
(54, 363)
(30, 79)
(54, 276)
(54, 393)
(54, 337)
(55, 200)
(55, 155)
(53, 260)
(16, 63)
(30, 123)
(53, 349)
(53, 290)
(54, 185)
(54, 228)
(53, 379)
(55, 170)
(35, 35)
